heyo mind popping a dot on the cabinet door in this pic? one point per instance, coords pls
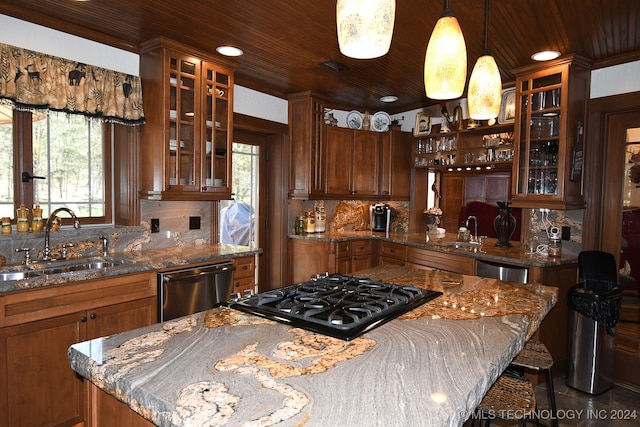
(360, 262)
(183, 144)
(123, 317)
(216, 142)
(338, 155)
(550, 104)
(365, 163)
(37, 386)
(395, 165)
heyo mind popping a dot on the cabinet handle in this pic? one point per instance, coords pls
(204, 188)
(391, 250)
(245, 268)
(168, 187)
(93, 315)
(237, 284)
(83, 319)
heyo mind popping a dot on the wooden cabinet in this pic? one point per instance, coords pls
(352, 159)
(244, 276)
(308, 257)
(392, 253)
(551, 101)
(353, 256)
(37, 386)
(395, 165)
(306, 128)
(423, 258)
(186, 141)
(335, 163)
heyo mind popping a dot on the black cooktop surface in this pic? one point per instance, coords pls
(340, 306)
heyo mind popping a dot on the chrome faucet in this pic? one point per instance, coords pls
(475, 229)
(46, 253)
(105, 244)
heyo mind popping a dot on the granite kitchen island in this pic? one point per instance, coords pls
(429, 367)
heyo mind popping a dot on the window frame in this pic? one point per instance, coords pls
(23, 162)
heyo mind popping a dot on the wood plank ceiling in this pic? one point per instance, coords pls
(285, 40)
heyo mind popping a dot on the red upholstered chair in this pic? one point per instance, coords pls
(486, 213)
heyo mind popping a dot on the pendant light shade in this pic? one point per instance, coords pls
(485, 86)
(485, 89)
(445, 63)
(365, 27)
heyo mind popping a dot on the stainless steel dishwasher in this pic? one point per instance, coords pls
(191, 290)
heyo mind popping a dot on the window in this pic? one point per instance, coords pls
(67, 151)
(238, 217)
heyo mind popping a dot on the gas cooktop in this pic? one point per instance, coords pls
(340, 306)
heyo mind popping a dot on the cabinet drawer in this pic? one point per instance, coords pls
(242, 284)
(343, 249)
(393, 251)
(245, 267)
(441, 261)
(361, 247)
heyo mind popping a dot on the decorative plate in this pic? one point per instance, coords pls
(354, 120)
(380, 121)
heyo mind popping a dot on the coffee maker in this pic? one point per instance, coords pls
(380, 217)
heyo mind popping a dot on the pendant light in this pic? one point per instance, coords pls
(365, 27)
(445, 63)
(485, 86)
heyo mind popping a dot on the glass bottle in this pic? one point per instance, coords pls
(22, 221)
(36, 222)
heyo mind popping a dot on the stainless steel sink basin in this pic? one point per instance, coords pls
(88, 265)
(64, 267)
(17, 275)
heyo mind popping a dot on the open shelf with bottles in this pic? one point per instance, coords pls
(481, 148)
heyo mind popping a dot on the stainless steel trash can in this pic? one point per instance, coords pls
(593, 315)
(591, 355)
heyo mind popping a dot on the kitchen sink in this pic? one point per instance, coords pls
(17, 275)
(63, 267)
(89, 265)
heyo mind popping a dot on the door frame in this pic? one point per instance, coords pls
(273, 220)
(609, 118)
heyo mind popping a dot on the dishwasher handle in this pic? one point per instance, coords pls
(188, 273)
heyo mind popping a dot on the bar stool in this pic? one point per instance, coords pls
(510, 398)
(535, 356)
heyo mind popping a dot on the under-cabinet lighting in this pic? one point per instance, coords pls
(229, 51)
(545, 55)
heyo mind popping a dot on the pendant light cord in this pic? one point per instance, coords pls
(486, 27)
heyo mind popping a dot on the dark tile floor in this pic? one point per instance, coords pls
(618, 407)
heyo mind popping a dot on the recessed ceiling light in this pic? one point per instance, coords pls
(545, 55)
(389, 98)
(229, 51)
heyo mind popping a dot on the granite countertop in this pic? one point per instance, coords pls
(487, 251)
(124, 263)
(429, 367)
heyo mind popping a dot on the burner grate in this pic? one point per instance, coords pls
(337, 305)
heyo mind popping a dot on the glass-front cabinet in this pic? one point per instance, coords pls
(186, 141)
(550, 113)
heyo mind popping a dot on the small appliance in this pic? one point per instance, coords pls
(380, 217)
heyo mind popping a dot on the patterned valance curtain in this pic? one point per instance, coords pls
(36, 81)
